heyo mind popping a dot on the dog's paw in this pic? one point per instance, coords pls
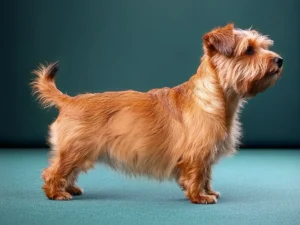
(215, 193)
(61, 196)
(74, 190)
(204, 199)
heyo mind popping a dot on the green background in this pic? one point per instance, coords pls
(138, 44)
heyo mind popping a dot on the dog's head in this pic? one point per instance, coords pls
(242, 59)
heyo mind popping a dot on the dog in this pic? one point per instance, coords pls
(174, 133)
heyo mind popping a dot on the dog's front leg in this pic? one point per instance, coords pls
(193, 178)
(207, 186)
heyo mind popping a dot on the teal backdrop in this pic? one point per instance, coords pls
(138, 44)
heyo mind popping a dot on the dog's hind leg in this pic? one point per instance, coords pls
(56, 177)
(71, 187)
(64, 167)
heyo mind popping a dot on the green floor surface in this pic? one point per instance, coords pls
(257, 187)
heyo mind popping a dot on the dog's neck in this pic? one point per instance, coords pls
(233, 105)
(215, 99)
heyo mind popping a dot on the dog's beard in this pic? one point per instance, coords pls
(258, 86)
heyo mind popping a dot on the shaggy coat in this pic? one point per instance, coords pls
(169, 133)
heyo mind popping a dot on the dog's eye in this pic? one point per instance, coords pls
(249, 50)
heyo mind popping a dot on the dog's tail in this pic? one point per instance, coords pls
(43, 85)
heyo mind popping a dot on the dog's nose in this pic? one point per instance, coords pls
(278, 61)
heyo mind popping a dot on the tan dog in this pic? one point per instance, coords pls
(169, 133)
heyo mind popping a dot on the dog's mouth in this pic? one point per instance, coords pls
(273, 72)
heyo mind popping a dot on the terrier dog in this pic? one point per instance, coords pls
(174, 133)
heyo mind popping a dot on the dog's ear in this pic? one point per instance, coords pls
(221, 40)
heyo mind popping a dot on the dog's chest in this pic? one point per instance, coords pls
(229, 145)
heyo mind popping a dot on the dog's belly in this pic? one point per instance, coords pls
(136, 163)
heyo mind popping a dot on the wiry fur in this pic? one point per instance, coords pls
(169, 133)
